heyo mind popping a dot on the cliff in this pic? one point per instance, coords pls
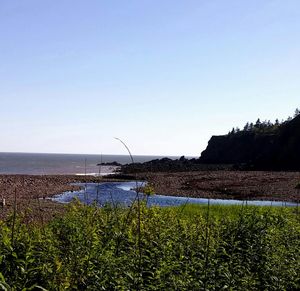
(277, 149)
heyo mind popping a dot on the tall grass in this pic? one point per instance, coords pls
(250, 248)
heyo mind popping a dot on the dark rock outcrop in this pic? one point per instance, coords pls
(168, 165)
(272, 150)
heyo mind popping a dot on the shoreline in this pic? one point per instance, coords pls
(32, 190)
(239, 185)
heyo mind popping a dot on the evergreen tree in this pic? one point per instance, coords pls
(246, 127)
(264, 126)
(257, 124)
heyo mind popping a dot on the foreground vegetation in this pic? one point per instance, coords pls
(186, 248)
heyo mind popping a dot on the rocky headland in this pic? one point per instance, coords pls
(275, 147)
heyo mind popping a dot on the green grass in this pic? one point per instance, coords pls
(180, 248)
(216, 211)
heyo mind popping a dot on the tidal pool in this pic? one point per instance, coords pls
(123, 193)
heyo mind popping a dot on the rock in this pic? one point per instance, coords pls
(279, 150)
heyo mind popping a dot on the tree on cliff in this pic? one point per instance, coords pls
(247, 127)
(265, 126)
(257, 124)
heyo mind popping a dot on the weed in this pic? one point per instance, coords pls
(227, 247)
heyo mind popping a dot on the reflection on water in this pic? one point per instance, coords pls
(123, 193)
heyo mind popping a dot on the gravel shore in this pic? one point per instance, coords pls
(250, 185)
(31, 191)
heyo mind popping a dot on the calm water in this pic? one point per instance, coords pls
(122, 193)
(39, 164)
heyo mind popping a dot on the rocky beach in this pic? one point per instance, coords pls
(250, 185)
(31, 191)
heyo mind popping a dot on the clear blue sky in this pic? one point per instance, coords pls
(162, 75)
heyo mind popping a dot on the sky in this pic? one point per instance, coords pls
(164, 76)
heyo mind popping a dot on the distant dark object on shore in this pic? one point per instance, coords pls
(120, 176)
(116, 164)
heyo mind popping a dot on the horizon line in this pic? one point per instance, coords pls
(60, 153)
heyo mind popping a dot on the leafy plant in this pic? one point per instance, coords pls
(185, 248)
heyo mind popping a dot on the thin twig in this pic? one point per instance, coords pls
(139, 206)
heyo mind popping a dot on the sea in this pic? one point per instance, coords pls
(64, 164)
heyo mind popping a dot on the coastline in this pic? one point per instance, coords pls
(32, 190)
(239, 185)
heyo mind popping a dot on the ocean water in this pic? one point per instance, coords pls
(49, 164)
